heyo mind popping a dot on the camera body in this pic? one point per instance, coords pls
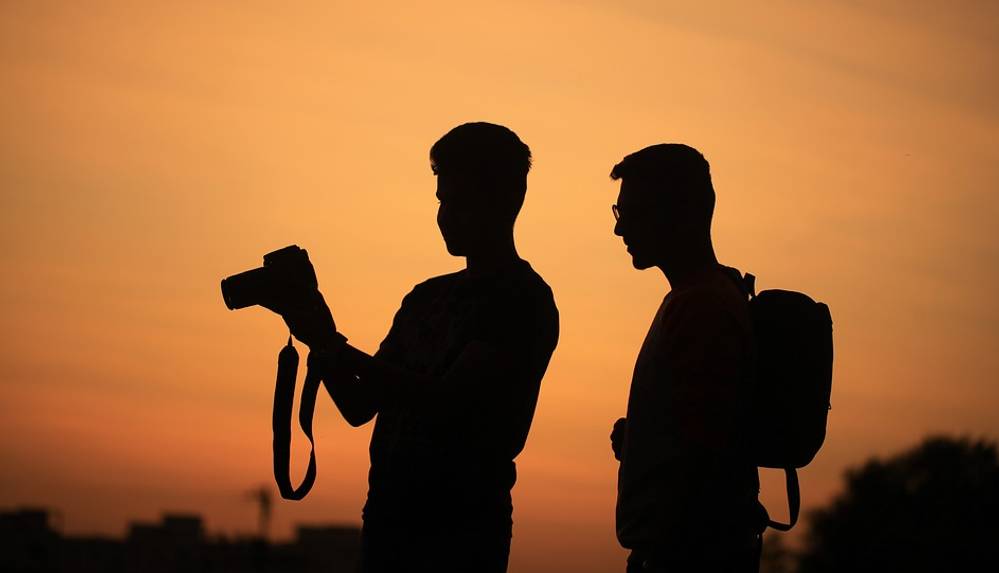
(286, 273)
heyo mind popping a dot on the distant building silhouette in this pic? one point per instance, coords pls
(29, 544)
(177, 544)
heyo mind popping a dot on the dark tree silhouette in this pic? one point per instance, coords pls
(933, 508)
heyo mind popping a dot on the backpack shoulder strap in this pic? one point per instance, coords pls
(746, 283)
(793, 501)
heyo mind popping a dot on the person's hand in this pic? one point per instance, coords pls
(309, 318)
(617, 437)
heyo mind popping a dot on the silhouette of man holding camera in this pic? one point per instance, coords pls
(455, 383)
(687, 487)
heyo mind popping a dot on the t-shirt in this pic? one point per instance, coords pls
(445, 459)
(685, 470)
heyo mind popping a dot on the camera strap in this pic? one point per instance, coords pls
(284, 399)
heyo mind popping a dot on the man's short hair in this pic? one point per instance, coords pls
(678, 175)
(488, 155)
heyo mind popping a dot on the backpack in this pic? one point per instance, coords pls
(794, 348)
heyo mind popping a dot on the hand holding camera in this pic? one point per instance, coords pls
(286, 284)
(309, 319)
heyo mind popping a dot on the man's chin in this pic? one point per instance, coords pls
(454, 250)
(641, 263)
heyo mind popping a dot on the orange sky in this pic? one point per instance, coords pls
(148, 151)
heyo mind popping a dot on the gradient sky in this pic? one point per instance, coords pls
(149, 150)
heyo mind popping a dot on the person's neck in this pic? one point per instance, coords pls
(692, 263)
(491, 258)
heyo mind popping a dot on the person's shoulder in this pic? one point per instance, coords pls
(431, 287)
(716, 296)
(438, 282)
(526, 283)
(523, 303)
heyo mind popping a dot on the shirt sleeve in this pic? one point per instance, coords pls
(523, 325)
(390, 349)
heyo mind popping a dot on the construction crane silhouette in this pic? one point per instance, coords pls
(264, 500)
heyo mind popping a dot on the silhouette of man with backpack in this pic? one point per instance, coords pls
(455, 383)
(687, 484)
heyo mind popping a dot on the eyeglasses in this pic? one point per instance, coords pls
(617, 212)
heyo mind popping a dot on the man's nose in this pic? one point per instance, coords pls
(617, 228)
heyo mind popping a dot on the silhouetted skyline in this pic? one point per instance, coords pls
(178, 543)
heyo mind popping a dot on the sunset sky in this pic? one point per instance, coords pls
(149, 149)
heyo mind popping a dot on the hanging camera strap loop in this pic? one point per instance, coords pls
(284, 399)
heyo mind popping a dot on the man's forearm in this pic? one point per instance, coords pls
(361, 384)
(385, 381)
(356, 401)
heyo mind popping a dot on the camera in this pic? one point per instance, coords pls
(286, 273)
